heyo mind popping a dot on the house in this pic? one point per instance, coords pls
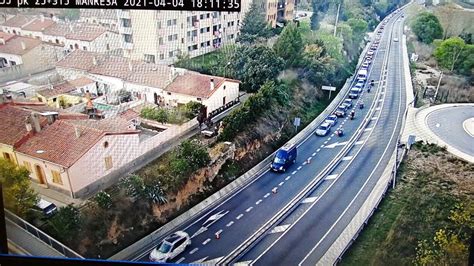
(14, 25)
(68, 93)
(21, 56)
(35, 28)
(72, 156)
(158, 84)
(104, 17)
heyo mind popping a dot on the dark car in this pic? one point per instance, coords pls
(341, 111)
(284, 158)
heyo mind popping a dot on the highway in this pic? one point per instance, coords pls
(318, 195)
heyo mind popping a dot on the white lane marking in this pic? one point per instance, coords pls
(380, 100)
(266, 195)
(239, 216)
(230, 223)
(248, 209)
(281, 183)
(360, 142)
(331, 177)
(378, 108)
(201, 260)
(368, 129)
(258, 202)
(299, 167)
(309, 158)
(304, 163)
(374, 118)
(180, 260)
(326, 142)
(333, 145)
(193, 251)
(219, 232)
(294, 172)
(280, 228)
(314, 154)
(286, 179)
(322, 146)
(330, 137)
(318, 150)
(343, 122)
(247, 262)
(309, 200)
(206, 241)
(347, 158)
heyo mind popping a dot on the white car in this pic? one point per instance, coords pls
(170, 247)
(323, 129)
(395, 39)
(332, 120)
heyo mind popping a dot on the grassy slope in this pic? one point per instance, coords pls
(431, 182)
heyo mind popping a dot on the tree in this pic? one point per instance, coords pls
(103, 200)
(193, 153)
(254, 25)
(256, 65)
(191, 109)
(445, 249)
(66, 223)
(289, 45)
(427, 27)
(319, 67)
(450, 53)
(136, 187)
(19, 197)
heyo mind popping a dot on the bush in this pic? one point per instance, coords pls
(158, 114)
(191, 109)
(66, 223)
(427, 27)
(103, 200)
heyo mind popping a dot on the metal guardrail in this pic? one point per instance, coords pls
(48, 240)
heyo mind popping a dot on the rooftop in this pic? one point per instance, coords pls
(195, 84)
(12, 128)
(99, 13)
(17, 21)
(6, 36)
(84, 32)
(19, 45)
(57, 89)
(39, 25)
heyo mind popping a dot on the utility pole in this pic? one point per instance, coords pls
(337, 18)
(437, 87)
(3, 228)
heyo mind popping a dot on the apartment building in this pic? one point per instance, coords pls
(161, 36)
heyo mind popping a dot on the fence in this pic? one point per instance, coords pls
(45, 238)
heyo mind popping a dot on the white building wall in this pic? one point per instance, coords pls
(11, 57)
(91, 166)
(230, 92)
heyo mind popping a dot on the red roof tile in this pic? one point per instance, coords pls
(85, 32)
(80, 82)
(6, 36)
(57, 90)
(12, 127)
(17, 21)
(194, 84)
(38, 25)
(14, 45)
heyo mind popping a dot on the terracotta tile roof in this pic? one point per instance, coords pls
(85, 32)
(194, 84)
(58, 143)
(12, 127)
(152, 75)
(39, 25)
(57, 29)
(129, 115)
(57, 90)
(6, 36)
(17, 21)
(111, 125)
(99, 13)
(14, 45)
(80, 82)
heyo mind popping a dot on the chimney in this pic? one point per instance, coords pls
(212, 84)
(34, 122)
(94, 61)
(28, 125)
(77, 131)
(23, 45)
(2, 41)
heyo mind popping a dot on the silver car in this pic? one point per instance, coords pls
(323, 129)
(170, 247)
(332, 120)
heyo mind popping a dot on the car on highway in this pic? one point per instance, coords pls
(170, 247)
(347, 102)
(323, 129)
(359, 85)
(365, 65)
(284, 158)
(354, 93)
(332, 120)
(395, 39)
(341, 110)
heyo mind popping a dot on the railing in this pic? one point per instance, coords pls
(45, 238)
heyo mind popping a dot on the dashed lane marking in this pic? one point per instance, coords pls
(294, 172)
(206, 241)
(318, 150)
(258, 202)
(326, 142)
(314, 154)
(331, 177)
(180, 260)
(299, 167)
(281, 183)
(266, 195)
(248, 209)
(286, 179)
(239, 216)
(279, 229)
(193, 251)
(230, 224)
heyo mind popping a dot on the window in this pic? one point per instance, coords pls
(160, 40)
(27, 165)
(7, 156)
(107, 46)
(170, 54)
(208, 15)
(149, 58)
(55, 99)
(84, 48)
(170, 38)
(106, 144)
(126, 23)
(199, 99)
(56, 177)
(169, 93)
(201, 16)
(127, 38)
(108, 162)
(159, 24)
(162, 56)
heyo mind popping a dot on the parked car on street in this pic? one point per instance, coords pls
(170, 247)
(46, 207)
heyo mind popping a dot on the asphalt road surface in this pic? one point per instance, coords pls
(447, 124)
(305, 233)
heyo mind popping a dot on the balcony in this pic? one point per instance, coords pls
(123, 13)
